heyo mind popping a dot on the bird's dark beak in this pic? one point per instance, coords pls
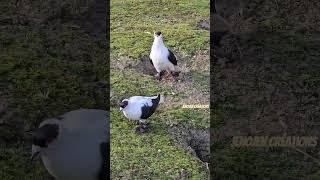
(35, 153)
(157, 34)
(121, 105)
(34, 156)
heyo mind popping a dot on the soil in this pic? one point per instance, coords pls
(145, 66)
(204, 24)
(265, 78)
(195, 141)
(261, 74)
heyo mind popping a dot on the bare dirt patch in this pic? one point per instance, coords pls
(193, 80)
(145, 66)
(194, 86)
(204, 24)
(195, 141)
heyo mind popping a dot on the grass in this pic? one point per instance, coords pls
(236, 162)
(176, 19)
(154, 155)
(46, 70)
(270, 91)
(15, 164)
(151, 155)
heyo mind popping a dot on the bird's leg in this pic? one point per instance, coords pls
(159, 75)
(143, 127)
(137, 122)
(142, 121)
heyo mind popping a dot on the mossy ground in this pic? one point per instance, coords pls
(154, 155)
(50, 65)
(272, 90)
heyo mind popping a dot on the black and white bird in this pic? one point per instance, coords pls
(162, 58)
(75, 145)
(140, 108)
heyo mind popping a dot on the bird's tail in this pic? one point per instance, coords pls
(161, 98)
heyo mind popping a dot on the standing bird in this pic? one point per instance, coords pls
(139, 108)
(162, 58)
(75, 145)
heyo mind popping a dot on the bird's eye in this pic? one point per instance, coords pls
(49, 140)
(40, 142)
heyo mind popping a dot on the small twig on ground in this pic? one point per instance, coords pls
(148, 32)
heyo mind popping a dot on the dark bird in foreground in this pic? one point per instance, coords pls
(162, 58)
(140, 108)
(75, 145)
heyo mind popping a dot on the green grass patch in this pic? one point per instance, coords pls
(46, 70)
(198, 118)
(245, 163)
(151, 155)
(154, 155)
(175, 19)
(15, 163)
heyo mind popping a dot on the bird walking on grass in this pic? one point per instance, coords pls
(162, 58)
(74, 146)
(140, 108)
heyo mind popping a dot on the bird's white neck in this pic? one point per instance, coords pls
(158, 43)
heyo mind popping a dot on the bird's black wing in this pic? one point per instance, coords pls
(151, 61)
(104, 172)
(147, 111)
(44, 133)
(172, 58)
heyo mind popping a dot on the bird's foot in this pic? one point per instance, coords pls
(142, 128)
(158, 77)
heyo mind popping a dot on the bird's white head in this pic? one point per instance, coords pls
(124, 103)
(158, 40)
(45, 136)
(157, 35)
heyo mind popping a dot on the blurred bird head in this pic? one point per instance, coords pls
(44, 137)
(123, 104)
(157, 35)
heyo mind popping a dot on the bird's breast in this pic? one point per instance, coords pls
(158, 54)
(133, 112)
(77, 159)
